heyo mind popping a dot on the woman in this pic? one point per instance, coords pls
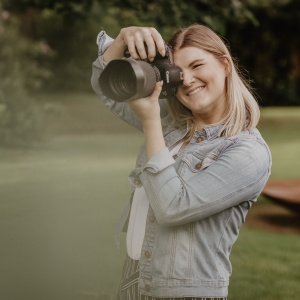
(202, 167)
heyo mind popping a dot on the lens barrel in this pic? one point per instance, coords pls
(128, 79)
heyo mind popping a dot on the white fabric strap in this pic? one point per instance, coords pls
(138, 217)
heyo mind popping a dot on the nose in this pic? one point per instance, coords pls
(188, 78)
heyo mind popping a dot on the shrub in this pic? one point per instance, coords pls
(20, 73)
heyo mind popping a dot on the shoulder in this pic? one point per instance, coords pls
(250, 147)
(250, 139)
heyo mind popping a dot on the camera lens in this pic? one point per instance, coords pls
(128, 79)
(123, 82)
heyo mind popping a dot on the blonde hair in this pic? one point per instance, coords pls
(242, 111)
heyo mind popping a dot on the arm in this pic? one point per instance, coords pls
(148, 111)
(133, 38)
(238, 175)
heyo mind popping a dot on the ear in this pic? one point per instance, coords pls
(225, 60)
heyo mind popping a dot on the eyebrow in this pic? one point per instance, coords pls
(196, 60)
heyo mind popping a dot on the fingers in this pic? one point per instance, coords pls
(153, 97)
(142, 42)
(157, 90)
(147, 108)
(136, 47)
(160, 45)
(154, 42)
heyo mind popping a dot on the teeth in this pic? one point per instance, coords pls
(196, 91)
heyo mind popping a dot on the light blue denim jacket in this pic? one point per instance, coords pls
(198, 201)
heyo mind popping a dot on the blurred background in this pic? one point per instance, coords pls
(64, 159)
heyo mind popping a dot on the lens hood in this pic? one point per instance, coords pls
(128, 79)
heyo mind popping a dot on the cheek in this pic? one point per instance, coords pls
(214, 74)
(218, 82)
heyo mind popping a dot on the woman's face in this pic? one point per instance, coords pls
(203, 89)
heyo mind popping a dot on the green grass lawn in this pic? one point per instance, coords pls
(60, 202)
(280, 127)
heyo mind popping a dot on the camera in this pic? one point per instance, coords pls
(128, 79)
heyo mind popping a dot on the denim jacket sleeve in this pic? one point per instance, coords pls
(238, 175)
(120, 109)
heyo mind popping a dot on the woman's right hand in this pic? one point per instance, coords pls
(135, 38)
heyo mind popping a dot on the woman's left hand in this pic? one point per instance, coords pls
(148, 109)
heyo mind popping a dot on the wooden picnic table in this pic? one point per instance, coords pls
(285, 192)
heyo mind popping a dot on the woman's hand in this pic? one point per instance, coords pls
(148, 111)
(135, 39)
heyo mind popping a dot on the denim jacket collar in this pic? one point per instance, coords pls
(212, 132)
(209, 132)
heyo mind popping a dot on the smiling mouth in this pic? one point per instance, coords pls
(195, 91)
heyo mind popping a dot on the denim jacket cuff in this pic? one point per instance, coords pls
(157, 163)
(103, 41)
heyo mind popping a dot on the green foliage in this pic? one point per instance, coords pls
(270, 51)
(20, 71)
(73, 42)
(67, 27)
(263, 35)
(73, 6)
(167, 16)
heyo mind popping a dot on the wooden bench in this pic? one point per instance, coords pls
(285, 192)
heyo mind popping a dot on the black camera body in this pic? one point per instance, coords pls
(128, 79)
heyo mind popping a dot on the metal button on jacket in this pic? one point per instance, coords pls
(198, 166)
(199, 139)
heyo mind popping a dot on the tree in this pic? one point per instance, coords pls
(270, 50)
(20, 122)
(262, 34)
(66, 27)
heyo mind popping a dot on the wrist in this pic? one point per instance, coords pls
(115, 50)
(120, 42)
(154, 140)
(151, 123)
